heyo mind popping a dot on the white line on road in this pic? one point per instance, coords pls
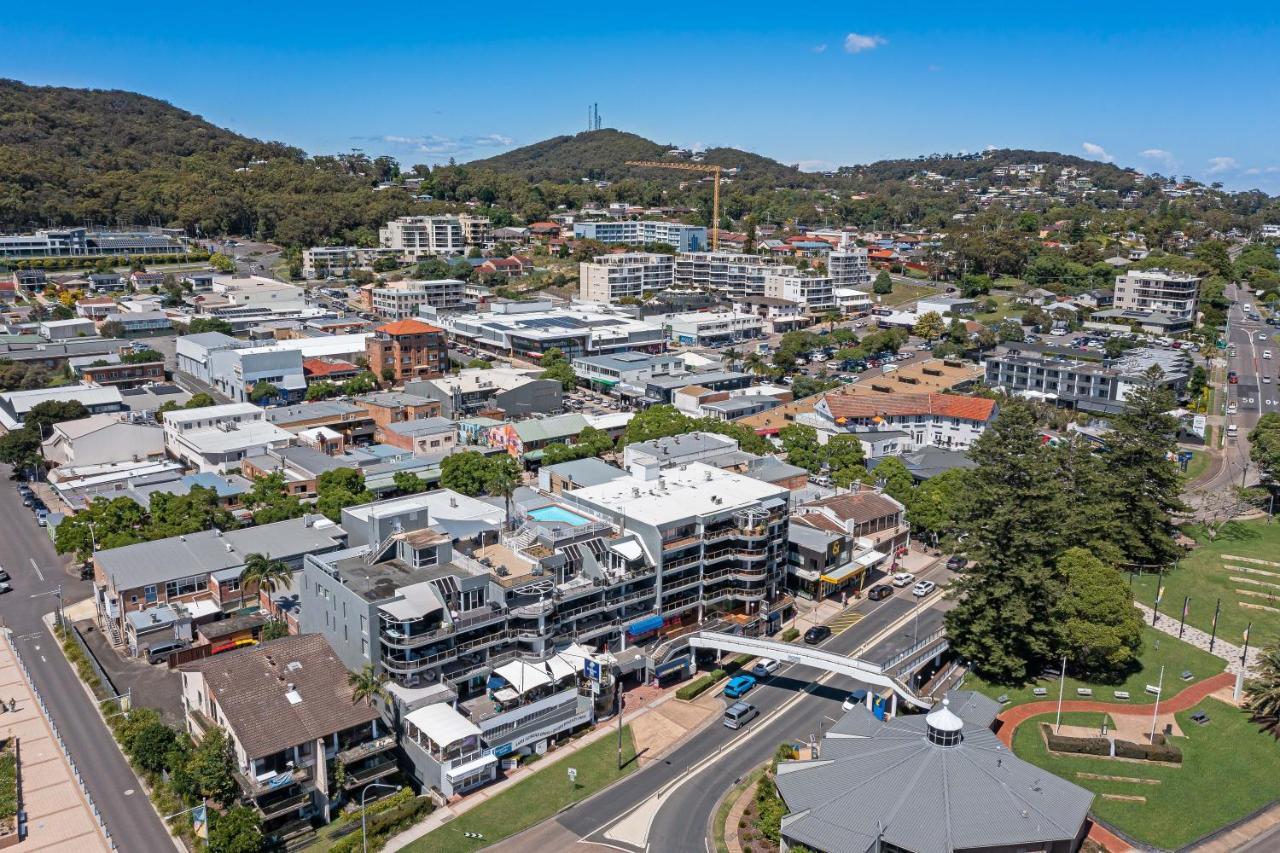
(39, 573)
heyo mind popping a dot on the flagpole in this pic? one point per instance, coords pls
(1062, 680)
(1155, 611)
(1213, 635)
(1185, 603)
(1156, 710)
(1245, 656)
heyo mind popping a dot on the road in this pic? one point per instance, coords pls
(676, 797)
(36, 570)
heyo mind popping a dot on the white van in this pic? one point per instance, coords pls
(1232, 430)
(739, 714)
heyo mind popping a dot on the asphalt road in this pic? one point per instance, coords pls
(792, 707)
(1258, 391)
(28, 555)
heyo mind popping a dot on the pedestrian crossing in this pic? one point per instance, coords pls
(845, 621)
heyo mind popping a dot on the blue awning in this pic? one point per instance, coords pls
(671, 666)
(644, 626)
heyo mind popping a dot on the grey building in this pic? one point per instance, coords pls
(516, 393)
(1087, 385)
(662, 389)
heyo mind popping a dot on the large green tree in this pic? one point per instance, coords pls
(935, 505)
(237, 830)
(1100, 631)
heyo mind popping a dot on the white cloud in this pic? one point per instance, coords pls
(816, 165)
(1097, 152)
(1218, 165)
(1164, 158)
(857, 43)
(819, 48)
(436, 144)
(1262, 170)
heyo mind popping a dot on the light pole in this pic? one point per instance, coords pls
(364, 834)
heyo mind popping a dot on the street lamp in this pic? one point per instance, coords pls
(364, 834)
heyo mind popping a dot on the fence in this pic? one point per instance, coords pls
(107, 683)
(57, 737)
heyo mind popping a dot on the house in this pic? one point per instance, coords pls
(100, 439)
(1037, 296)
(290, 714)
(199, 570)
(524, 439)
(865, 514)
(423, 436)
(107, 283)
(97, 399)
(218, 438)
(143, 280)
(1096, 298)
(511, 392)
(512, 267)
(95, 308)
(407, 349)
(111, 370)
(392, 407)
(938, 420)
(329, 370)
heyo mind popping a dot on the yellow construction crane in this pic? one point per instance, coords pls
(715, 191)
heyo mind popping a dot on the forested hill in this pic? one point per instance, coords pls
(981, 166)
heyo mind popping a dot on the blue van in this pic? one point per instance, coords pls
(738, 686)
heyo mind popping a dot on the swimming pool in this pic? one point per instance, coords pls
(558, 513)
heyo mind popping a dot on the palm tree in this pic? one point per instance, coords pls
(831, 318)
(367, 685)
(731, 357)
(753, 363)
(270, 575)
(1262, 692)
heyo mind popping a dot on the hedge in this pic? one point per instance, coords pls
(8, 782)
(789, 635)
(386, 824)
(1160, 750)
(700, 685)
(1080, 745)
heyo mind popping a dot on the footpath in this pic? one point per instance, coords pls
(1229, 652)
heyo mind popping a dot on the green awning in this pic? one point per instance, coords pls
(606, 382)
(535, 455)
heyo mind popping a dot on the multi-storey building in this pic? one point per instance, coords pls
(815, 292)
(610, 278)
(476, 230)
(81, 242)
(926, 419)
(1160, 292)
(1085, 385)
(685, 238)
(700, 328)
(401, 300)
(848, 267)
(339, 261)
(531, 328)
(736, 276)
(408, 349)
(217, 438)
(416, 237)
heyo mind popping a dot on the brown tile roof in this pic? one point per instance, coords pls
(859, 507)
(249, 686)
(818, 522)
(946, 405)
(408, 327)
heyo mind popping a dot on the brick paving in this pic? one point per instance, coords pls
(59, 819)
(1229, 652)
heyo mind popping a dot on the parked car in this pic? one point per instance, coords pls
(764, 668)
(4, 587)
(857, 697)
(42, 517)
(739, 686)
(903, 579)
(4, 576)
(879, 591)
(957, 563)
(162, 651)
(923, 588)
(739, 714)
(816, 634)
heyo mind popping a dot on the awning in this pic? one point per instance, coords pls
(442, 724)
(521, 676)
(870, 558)
(201, 608)
(608, 383)
(418, 601)
(464, 770)
(644, 626)
(562, 667)
(535, 455)
(843, 572)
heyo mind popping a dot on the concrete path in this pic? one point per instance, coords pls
(1168, 623)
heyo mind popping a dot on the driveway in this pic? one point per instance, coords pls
(153, 686)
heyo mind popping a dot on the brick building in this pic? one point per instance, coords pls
(407, 349)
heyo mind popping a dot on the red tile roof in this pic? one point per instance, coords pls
(320, 367)
(859, 507)
(408, 327)
(946, 405)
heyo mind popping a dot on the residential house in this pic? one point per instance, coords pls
(392, 407)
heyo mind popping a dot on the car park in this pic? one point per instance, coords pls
(923, 588)
(903, 579)
(879, 592)
(739, 686)
(816, 634)
(739, 714)
(764, 668)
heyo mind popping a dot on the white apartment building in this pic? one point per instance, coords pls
(737, 276)
(852, 301)
(401, 300)
(701, 328)
(610, 278)
(848, 267)
(417, 237)
(217, 438)
(1269, 231)
(815, 292)
(685, 238)
(1158, 291)
(476, 230)
(339, 261)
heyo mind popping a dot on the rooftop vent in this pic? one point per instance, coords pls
(942, 727)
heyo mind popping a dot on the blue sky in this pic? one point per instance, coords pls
(1166, 87)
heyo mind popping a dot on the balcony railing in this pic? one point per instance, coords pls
(270, 808)
(364, 750)
(278, 782)
(377, 770)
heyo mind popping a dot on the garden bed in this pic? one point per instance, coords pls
(9, 788)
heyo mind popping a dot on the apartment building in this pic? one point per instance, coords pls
(290, 715)
(700, 328)
(1086, 385)
(476, 230)
(923, 419)
(340, 261)
(401, 300)
(735, 275)
(609, 278)
(685, 238)
(533, 327)
(216, 438)
(102, 439)
(407, 349)
(848, 267)
(815, 292)
(1158, 291)
(81, 242)
(417, 237)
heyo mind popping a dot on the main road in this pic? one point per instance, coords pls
(668, 805)
(36, 574)
(1258, 389)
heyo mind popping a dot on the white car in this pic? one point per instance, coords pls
(857, 697)
(923, 588)
(1266, 353)
(903, 579)
(1266, 380)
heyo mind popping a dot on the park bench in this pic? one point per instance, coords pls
(1200, 718)
(1153, 689)
(1122, 695)
(1187, 675)
(1039, 691)
(1084, 691)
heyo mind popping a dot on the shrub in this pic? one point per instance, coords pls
(8, 782)
(390, 821)
(1161, 750)
(696, 687)
(1078, 745)
(789, 635)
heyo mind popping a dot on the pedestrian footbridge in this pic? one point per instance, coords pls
(873, 675)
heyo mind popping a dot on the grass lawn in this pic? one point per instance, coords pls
(1228, 771)
(1175, 655)
(726, 806)
(903, 292)
(534, 799)
(1198, 465)
(1203, 575)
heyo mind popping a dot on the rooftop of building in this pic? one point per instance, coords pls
(407, 327)
(943, 405)
(475, 379)
(384, 579)
(394, 399)
(681, 492)
(300, 412)
(586, 472)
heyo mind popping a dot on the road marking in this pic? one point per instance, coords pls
(42, 660)
(39, 573)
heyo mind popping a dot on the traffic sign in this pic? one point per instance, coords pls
(591, 669)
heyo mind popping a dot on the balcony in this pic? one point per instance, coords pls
(376, 770)
(681, 542)
(256, 788)
(270, 807)
(364, 750)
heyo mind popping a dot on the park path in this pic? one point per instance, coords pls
(1229, 652)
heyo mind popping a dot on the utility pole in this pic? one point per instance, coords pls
(619, 692)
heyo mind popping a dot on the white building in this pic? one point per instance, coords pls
(476, 230)
(1269, 231)
(61, 330)
(339, 261)
(14, 405)
(922, 420)
(627, 368)
(217, 438)
(701, 328)
(73, 242)
(685, 238)
(610, 278)
(736, 276)
(852, 301)
(1158, 291)
(401, 300)
(102, 439)
(848, 267)
(417, 237)
(256, 291)
(533, 327)
(815, 292)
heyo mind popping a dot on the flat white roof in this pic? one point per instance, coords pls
(214, 440)
(440, 503)
(682, 491)
(473, 379)
(442, 724)
(181, 416)
(317, 347)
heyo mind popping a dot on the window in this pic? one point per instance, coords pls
(149, 593)
(186, 586)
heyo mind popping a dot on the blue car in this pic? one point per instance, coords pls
(738, 686)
